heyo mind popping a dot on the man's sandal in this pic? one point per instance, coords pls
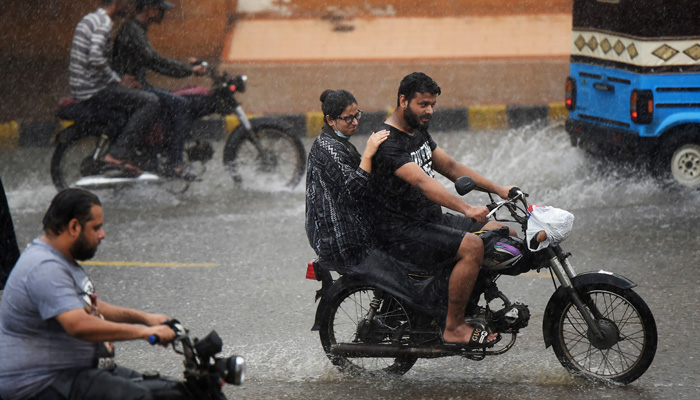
(477, 340)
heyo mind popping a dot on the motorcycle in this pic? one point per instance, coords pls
(205, 374)
(261, 147)
(381, 316)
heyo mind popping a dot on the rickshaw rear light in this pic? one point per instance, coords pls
(642, 106)
(570, 93)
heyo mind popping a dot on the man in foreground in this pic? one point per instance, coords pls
(54, 333)
(408, 220)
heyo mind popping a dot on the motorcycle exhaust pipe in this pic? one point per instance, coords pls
(389, 351)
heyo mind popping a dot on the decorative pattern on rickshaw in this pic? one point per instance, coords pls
(637, 51)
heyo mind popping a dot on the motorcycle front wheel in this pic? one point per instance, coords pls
(345, 320)
(629, 340)
(269, 156)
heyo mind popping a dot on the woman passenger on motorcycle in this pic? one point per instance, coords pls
(337, 178)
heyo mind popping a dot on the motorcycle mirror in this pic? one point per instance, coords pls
(464, 185)
(209, 346)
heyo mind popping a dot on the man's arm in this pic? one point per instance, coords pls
(447, 166)
(97, 55)
(92, 328)
(114, 313)
(153, 60)
(433, 190)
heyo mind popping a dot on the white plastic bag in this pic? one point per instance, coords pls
(556, 223)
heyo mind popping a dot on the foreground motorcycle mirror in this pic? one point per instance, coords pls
(464, 185)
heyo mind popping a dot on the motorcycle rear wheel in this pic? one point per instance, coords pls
(75, 157)
(341, 320)
(72, 159)
(279, 161)
(630, 340)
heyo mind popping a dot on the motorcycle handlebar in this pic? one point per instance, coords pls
(174, 325)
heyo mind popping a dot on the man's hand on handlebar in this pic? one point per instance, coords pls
(199, 67)
(507, 192)
(477, 213)
(164, 333)
(155, 319)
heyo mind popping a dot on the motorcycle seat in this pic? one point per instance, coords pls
(71, 109)
(193, 90)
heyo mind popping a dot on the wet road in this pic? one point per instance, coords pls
(234, 260)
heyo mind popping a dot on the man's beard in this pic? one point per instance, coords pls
(81, 249)
(412, 119)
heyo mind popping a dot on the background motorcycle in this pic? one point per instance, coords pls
(258, 148)
(205, 373)
(380, 316)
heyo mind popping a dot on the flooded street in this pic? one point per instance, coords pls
(234, 260)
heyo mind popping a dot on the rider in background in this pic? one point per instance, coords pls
(94, 82)
(55, 333)
(407, 215)
(134, 55)
(337, 180)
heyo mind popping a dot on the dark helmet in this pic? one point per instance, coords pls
(505, 254)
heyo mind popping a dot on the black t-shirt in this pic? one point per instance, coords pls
(398, 201)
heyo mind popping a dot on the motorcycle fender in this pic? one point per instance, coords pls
(240, 131)
(71, 132)
(325, 298)
(560, 296)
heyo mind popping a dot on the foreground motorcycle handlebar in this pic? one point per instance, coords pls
(200, 355)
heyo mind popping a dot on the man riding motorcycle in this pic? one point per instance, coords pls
(134, 55)
(97, 86)
(55, 333)
(407, 215)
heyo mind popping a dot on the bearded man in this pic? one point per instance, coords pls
(407, 217)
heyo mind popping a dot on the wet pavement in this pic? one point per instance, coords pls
(234, 260)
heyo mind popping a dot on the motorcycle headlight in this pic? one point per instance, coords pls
(238, 83)
(235, 370)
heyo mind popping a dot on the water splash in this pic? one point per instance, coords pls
(544, 164)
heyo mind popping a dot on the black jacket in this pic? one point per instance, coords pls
(337, 190)
(133, 54)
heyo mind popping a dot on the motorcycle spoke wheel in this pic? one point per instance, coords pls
(73, 160)
(275, 159)
(629, 343)
(391, 325)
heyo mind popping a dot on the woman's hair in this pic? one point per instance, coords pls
(68, 204)
(334, 102)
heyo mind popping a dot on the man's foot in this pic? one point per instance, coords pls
(123, 165)
(469, 337)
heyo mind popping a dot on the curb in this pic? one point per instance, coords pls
(477, 118)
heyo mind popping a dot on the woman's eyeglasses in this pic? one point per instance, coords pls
(348, 119)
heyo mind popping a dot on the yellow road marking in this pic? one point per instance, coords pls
(147, 264)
